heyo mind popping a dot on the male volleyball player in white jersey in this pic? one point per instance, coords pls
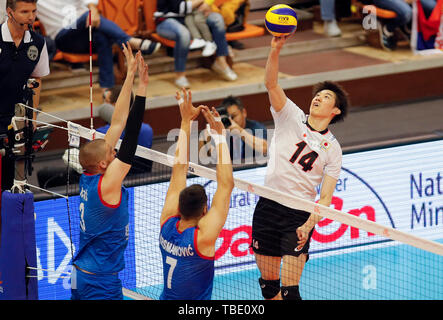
(303, 154)
(188, 229)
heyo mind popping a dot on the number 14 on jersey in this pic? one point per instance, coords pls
(306, 161)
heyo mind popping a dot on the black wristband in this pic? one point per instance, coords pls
(132, 130)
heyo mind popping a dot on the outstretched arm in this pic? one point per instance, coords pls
(277, 96)
(120, 166)
(212, 223)
(181, 160)
(122, 106)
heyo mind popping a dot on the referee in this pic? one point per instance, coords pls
(23, 55)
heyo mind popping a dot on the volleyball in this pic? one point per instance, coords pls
(281, 20)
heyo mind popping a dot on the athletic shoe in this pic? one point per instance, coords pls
(209, 49)
(182, 82)
(331, 28)
(227, 74)
(197, 44)
(236, 44)
(387, 38)
(149, 47)
(405, 32)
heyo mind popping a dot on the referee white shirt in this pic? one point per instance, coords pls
(299, 156)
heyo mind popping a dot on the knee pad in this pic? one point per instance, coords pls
(269, 288)
(290, 293)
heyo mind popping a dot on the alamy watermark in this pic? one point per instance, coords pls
(370, 20)
(202, 147)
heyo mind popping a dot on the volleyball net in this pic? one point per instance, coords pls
(381, 238)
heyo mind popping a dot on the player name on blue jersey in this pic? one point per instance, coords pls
(84, 194)
(176, 250)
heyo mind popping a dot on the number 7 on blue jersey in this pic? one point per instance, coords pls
(173, 263)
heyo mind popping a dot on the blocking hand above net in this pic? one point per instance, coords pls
(189, 229)
(104, 216)
(130, 121)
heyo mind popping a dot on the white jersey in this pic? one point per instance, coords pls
(299, 156)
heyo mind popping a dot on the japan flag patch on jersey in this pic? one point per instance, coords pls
(324, 145)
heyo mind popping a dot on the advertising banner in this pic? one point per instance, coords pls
(400, 187)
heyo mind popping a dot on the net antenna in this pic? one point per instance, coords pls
(90, 70)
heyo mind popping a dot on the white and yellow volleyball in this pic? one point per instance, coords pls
(281, 20)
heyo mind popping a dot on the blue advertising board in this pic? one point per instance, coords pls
(400, 187)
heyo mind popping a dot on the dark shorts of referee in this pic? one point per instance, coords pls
(274, 229)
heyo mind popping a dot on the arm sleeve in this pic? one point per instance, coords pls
(42, 67)
(132, 130)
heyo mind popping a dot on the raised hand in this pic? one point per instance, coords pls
(187, 111)
(130, 60)
(278, 42)
(143, 69)
(214, 121)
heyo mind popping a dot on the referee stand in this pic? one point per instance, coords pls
(18, 258)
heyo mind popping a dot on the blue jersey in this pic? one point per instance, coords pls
(104, 229)
(187, 274)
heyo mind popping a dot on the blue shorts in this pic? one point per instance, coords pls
(86, 286)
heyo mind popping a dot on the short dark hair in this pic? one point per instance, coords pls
(115, 93)
(230, 101)
(341, 101)
(13, 3)
(192, 201)
(91, 153)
